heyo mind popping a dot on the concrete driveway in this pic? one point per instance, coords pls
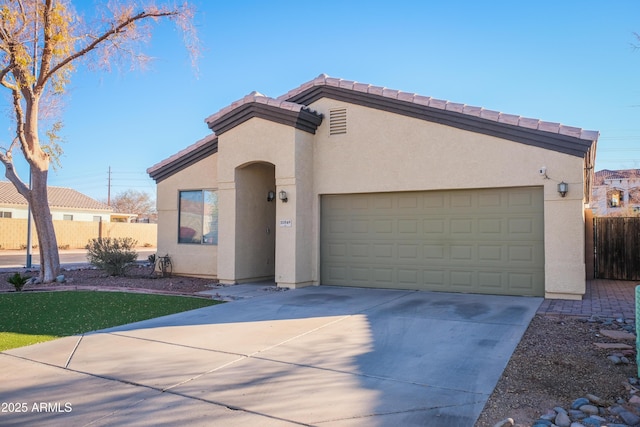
(322, 356)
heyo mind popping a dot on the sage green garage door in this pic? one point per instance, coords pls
(479, 241)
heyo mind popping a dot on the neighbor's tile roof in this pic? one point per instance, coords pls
(605, 174)
(524, 122)
(59, 197)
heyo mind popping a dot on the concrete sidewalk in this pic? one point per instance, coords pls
(324, 356)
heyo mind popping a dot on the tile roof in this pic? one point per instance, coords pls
(257, 97)
(185, 157)
(550, 135)
(59, 197)
(605, 174)
(496, 116)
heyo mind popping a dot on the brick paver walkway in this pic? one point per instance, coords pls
(604, 298)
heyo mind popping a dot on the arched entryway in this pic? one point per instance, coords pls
(255, 222)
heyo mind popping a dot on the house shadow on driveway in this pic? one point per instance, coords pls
(324, 356)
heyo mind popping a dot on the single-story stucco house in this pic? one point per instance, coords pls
(344, 183)
(66, 204)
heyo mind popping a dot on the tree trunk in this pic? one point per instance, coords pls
(49, 257)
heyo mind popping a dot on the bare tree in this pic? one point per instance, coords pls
(134, 202)
(41, 44)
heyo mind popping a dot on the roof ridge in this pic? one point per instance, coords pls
(496, 116)
(256, 97)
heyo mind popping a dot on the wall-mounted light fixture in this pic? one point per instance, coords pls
(271, 195)
(563, 187)
(283, 196)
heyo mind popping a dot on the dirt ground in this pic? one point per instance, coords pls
(139, 278)
(555, 363)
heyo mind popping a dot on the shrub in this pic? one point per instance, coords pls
(113, 255)
(18, 281)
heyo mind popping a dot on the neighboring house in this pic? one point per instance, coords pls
(344, 183)
(616, 193)
(65, 204)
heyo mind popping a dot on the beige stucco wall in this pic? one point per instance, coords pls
(186, 259)
(387, 152)
(380, 152)
(290, 152)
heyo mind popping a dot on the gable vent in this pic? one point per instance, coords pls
(337, 121)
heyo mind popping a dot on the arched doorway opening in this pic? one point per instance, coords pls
(255, 222)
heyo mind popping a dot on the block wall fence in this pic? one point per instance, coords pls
(75, 234)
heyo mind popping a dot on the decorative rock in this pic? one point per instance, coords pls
(591, 422)
(615, 359)
(507, 422)
(629, 418)
(590, 409)
(618, 346)
(596, 400)
(579, 402)
(616, 409)
(635, 399)
(576, 414)
(549, 415)
(562, 420)
(60, 278)
(541, 423)
(560, 409)
(624, 360)
(618, 335)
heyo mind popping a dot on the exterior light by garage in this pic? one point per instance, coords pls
(283, 196)
(271, 195)
(563, 187)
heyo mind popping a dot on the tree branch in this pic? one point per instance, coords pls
(114, 31)
(10, 173)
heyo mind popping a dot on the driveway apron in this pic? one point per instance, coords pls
(320, 356)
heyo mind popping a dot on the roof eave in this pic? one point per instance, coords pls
(304, 119)
(184, 159)
(572, 145)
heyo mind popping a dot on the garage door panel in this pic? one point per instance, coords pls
(487, 241)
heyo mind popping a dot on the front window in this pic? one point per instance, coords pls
(198, 220)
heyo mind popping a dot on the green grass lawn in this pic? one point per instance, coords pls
(32, 317)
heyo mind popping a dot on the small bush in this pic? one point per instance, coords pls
(113, 255)
(18, 281)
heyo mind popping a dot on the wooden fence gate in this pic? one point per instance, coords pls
(617, 248)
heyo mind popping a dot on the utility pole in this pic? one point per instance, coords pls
(28, 261)
(109, 188)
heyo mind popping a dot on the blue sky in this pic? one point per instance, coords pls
(567, 61)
